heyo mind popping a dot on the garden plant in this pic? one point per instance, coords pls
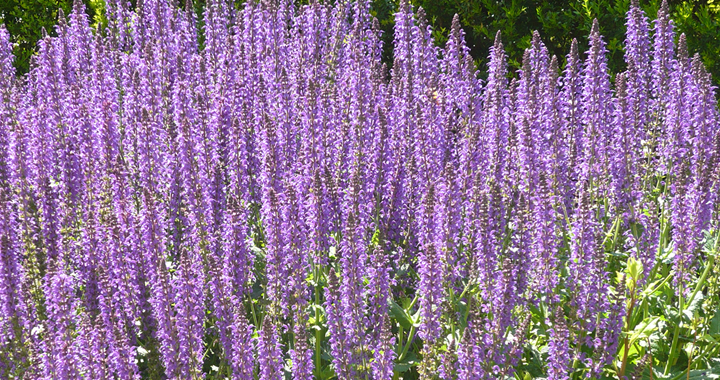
(259, 196)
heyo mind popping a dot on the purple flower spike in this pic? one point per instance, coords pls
(270, 357)
(662, 58)
(596, 116)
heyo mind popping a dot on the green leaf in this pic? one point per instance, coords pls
(327, 373)
(704, 374)
(644, 329)
(707, 338)
(715, 325)
(407, 363)
(634, 268)
(696, 374)
(375, 240)
(400, 315)
(694, 305)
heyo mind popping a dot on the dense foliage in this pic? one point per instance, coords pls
(26, 19)
(559, 22)
(272, 202)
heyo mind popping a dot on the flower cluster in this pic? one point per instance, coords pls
(255, 194)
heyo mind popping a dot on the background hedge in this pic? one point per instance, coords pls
(558, 21)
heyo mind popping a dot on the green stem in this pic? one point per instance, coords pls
(462, 295)
(255, 319)
(318, 331)
(708, 267)
(626, 342)
(664, 281)
(411, 335)
(676, 334)
(575, 365)
(401, 331)
(412, 303)
(616, 231)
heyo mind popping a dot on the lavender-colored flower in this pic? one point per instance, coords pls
(167, 182)
(188, 288)
(301, 355)
(383, 360)
(596, 116)
(676, 155)
(153, 247)
(115, 323)
(662, 59)
(483, 202)
(339, 341)
(537, 156)
(544, 254)
(596, 314)
(571, 119)
(559, 348)
(624, 150)
(269, 354)
(59, 360)
(294, 257)
(242, 358)
(430, 288)
(676, 120)
(704, 154)
(353, 258)
(637, 58)
(12, 272)
(377, 293)
(90, 351)
(471, 355)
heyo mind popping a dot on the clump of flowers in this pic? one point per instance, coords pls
(256, 195)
